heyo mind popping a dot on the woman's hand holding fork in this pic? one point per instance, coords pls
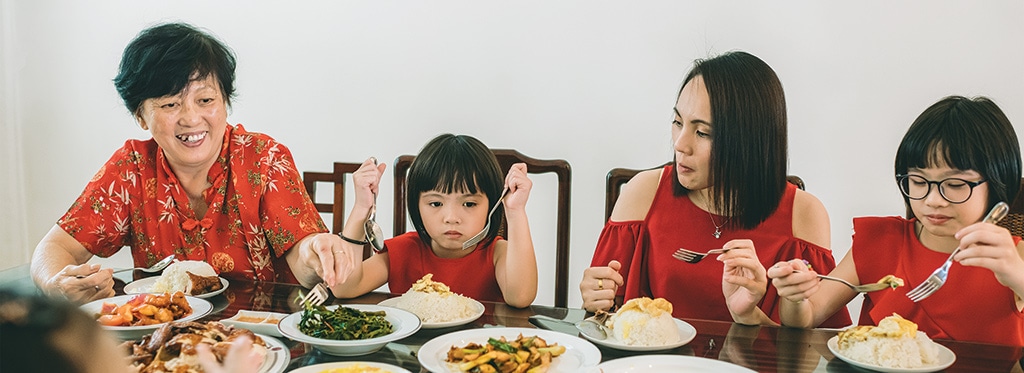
(744, 282)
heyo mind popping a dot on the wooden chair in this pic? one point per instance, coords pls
(507, 157)
(336, 208)
(1014, 221)
(618, 176)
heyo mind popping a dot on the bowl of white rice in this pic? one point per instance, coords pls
(894, 344)
(435, 305)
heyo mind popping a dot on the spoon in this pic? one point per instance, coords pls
(373, 232)
(159, 266)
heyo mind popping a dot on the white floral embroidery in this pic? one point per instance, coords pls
(243, 140)
(167, 210)
(130, 177)
(121, 225)
(258, 251)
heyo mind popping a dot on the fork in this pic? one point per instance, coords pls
(865, 288)
(938, 278)
(691, 256)
(316, 296)
(472, 241)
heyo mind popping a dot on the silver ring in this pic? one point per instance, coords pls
(97, 287)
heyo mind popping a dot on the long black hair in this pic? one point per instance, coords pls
(749, 141)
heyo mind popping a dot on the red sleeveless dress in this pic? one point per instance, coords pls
(971, 306)
(471, 275)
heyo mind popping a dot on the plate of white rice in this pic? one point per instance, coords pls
(894, 345)
(657, 337)
(175, 278)
(892, 355)
(437, 310)
(645, 324)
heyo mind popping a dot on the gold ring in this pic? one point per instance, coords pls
(600, 284)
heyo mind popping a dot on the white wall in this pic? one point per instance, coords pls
(592, 82)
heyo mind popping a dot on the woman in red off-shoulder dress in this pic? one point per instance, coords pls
(726, 188)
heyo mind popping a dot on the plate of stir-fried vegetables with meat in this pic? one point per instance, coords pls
(508, 350)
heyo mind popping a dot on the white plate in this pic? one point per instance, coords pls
(579, 354)
(686, 334)
(478, 311)
(946, 358)
(261, 327)
(345, 364)
(404, 323)
(668, 364)
(277, 358)
(200, 307)
(143, 286)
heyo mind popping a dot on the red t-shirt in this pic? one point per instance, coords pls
(645, 250)
(971, 306)
(257, 209)
(472, 275)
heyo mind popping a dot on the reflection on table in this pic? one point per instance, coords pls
(763, 349)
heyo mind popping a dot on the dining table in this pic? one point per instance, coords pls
(763, 348)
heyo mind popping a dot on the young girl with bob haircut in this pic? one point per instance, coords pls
(957, 160)
(452, 185)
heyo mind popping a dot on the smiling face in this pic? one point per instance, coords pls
(452, 218)
(691, 135)
(188, 126)
(941, 219)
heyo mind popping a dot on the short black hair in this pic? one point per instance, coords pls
(29, 326)
(965, 134)
(163, 59)
(455, 163)
(749, 141)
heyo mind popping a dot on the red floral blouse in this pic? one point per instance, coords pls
(258, 209)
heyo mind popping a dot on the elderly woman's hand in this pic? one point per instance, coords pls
(599, 286)
(82, 283)
(327, 256)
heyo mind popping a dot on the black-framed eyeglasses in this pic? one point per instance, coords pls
(954, 190)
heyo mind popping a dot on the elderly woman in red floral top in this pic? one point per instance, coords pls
(200, 189)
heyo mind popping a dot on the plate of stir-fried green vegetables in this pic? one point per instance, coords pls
(349, 330)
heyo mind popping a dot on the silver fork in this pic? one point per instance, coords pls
(472, 241)
(858, 288)
(691, 256)
(316, 296)
(938, 278)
